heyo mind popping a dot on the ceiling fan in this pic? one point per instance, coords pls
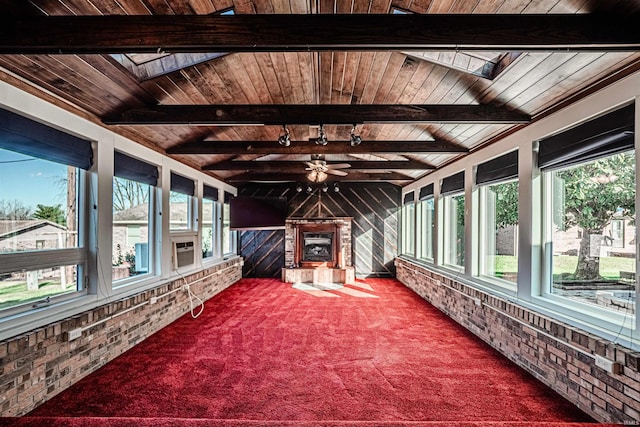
(319, 169)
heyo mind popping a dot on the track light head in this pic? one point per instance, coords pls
(284, 140)
(322, 137)
(336, 187)
(355, 139)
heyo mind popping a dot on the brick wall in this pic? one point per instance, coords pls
(559, 355)
(37, 365)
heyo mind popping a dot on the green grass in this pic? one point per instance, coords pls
(14, 293)
(610, 267)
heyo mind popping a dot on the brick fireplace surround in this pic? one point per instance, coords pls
(339, 270)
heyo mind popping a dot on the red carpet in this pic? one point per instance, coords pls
(264, 353)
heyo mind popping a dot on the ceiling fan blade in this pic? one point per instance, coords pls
(311, 165)
(338, 165)
(336, 172)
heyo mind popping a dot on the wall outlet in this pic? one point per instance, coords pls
(74, 334)
(153, 300)
(608, 365)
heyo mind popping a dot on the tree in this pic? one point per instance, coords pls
(14, 210)
(51, 213)
(593, 194)
(506, 204)
(128, 194)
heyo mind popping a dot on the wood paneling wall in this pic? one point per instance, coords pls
(375, 211)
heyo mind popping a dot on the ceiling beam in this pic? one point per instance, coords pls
(294, 32)
(284, 166)
(302, 177)
(306, 147)
(291, 114)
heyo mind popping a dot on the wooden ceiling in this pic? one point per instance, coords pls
(214, 91)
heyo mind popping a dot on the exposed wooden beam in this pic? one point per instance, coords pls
(291, 114)
(286, 166)
(348, 32)
(301, 177)
(305, 147)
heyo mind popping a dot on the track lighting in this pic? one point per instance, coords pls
(284, 140)
(336, 187)
(309, 189)
(322, 138)
(355, 139)
(325, 187)
(298, 188)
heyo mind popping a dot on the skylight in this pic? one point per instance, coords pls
(146, 66)
(485, 64)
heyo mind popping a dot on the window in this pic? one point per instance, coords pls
(589, 195)
(452, 189)
(133, 217)
(210, 209)
(498, 218)
(408, 224)
(228, 235)
(181, 203)
(425, 211)
(41, 211)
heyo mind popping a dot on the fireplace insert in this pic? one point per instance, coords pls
(317, 247)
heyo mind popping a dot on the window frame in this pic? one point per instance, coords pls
(53, 258)
(446, 202)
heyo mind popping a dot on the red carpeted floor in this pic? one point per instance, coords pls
(264, 353)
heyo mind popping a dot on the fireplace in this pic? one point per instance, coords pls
(317, 247)
(318, 250)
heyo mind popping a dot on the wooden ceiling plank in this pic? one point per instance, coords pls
(349, 32)
(350, 69)
(365, 64)
(280, 68)
(304, 147)
(254, 72)
(337, 78)
(545, 67)
(188, 87)
(378, 66)
(202, 7)
(270, 77)
(223, 114)
(307, 82)
(549, 81)
(239, 71)
(325, 74)
(577, 80)
(292, 66)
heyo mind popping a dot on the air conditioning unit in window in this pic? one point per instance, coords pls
(183, 254)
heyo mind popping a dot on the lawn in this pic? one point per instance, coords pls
(16, 292)
(610, 267)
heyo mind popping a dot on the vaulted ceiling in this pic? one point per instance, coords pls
(215, 83)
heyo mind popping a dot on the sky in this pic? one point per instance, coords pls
(31, 181)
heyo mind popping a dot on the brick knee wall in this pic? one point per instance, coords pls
(559, 355)
(39, 364)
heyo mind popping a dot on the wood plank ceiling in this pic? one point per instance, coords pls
(491, 92)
